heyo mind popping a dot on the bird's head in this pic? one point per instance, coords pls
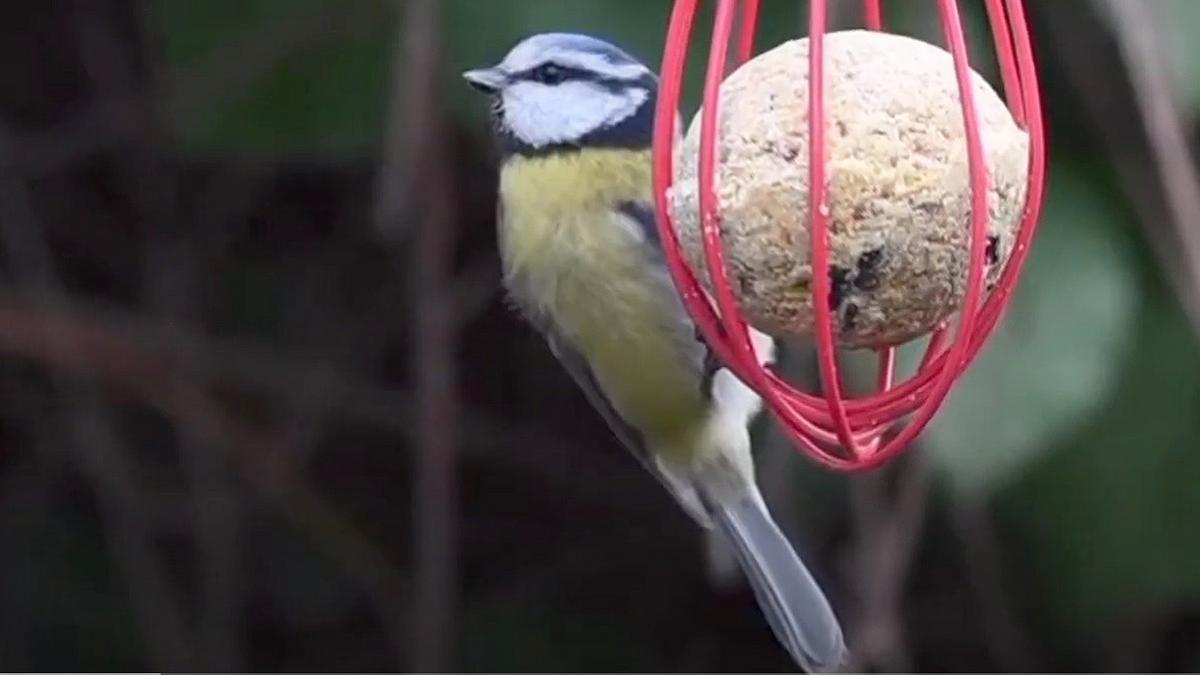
(557, 91)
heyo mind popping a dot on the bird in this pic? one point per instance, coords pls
(572, 116)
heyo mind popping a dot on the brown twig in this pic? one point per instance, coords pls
(101, 451)
(1158, 173)
(887, 532)
(168, 287)
(90, 350)
(412, 128)
(1140, 39)
(130, 353)
(415, 177)
(49, 329)
(1009, 646)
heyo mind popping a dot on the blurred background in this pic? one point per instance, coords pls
(262, 406)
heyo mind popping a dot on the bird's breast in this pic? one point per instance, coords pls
(571, 256)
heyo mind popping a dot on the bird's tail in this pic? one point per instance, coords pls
(794, 605)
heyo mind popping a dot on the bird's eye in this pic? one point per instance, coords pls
(549, 74)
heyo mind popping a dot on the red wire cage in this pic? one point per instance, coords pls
(837, 431)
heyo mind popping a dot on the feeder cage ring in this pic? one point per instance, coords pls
(835, 430)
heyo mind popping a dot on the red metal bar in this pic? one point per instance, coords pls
(748, 29)
(873, 9)
(734, 327)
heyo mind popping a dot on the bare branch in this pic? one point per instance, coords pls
(1158, 172)
(887, 532)
(1009, 646)
(101, 451)
(1140, 38)
(131, 353)
(414, 177)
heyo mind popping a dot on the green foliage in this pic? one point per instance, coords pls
(1110, 514)
(1054, 360)
(318, 96)
(193, 30)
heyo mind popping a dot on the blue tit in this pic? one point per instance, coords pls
(582, 262)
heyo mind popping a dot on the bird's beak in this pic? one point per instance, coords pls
(487, 80)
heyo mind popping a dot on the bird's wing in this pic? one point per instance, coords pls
(585, 378)
(692, 343)
(640, 215)
(579, 370)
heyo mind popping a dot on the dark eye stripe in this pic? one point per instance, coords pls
(562, 72)
(566, 73)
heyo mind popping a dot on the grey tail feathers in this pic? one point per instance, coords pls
(793, 603)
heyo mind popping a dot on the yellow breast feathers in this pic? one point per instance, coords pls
(569, 254)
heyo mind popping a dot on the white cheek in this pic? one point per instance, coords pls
(543, 115)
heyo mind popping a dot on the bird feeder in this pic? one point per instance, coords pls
(833, 428)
